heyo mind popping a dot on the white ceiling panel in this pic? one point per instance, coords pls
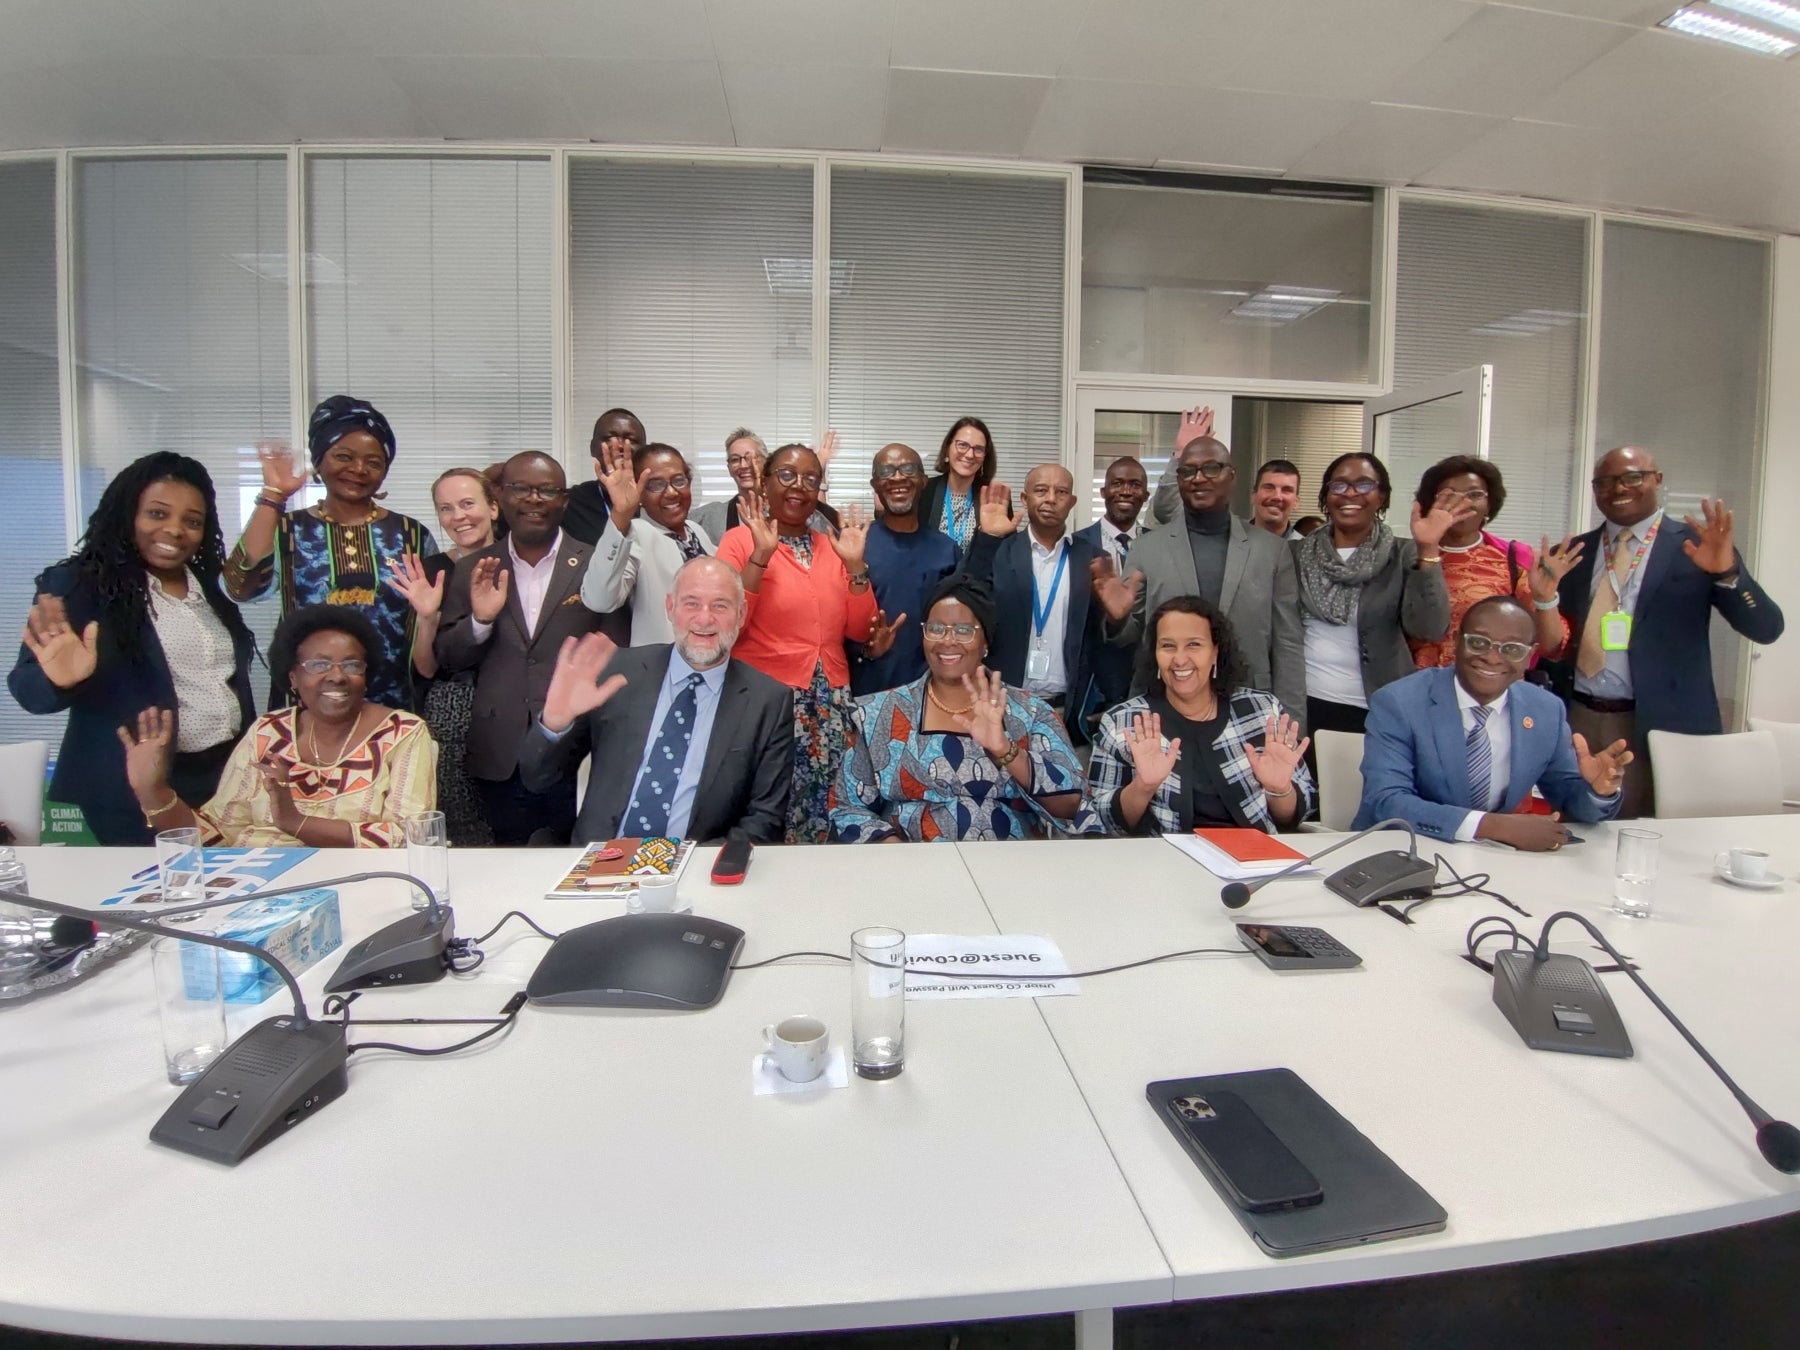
(801, 32)
(819, 107)
(618, 30)
(1538, 159)
(1016, 37)
(485, 97)
(961, 113)
(1105, 121)
(1229, 127)
(64, 32)
(1504, 60)
(1616, 11)
(1166, 41)
(347, 98)
(1384, 143)
(1649, 75)
(431, 27)
(36, 112)
(647, 102)
(128, 103)
(1354, 51)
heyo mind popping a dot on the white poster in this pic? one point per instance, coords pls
(984, 966)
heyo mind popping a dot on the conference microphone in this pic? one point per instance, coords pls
(1369, 881)
(1778, 1141)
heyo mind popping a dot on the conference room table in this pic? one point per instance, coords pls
(603, 1174)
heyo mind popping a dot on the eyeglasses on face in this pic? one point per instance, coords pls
(789, 477)
(1472, 495)
(678, 483)
(1212, 471)
(352, 666)
(969, 447)
(1477, 645)
(1630, 478)
(1343, 487)
(883, 472)
(963, 632)
(526, 492)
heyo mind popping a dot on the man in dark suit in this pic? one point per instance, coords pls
(1639, 657)
(1123, 490)
(1456, 752)
(506, 613)
(686, 742)
(1049, 625)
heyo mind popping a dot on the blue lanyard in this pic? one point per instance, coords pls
(1041, 616)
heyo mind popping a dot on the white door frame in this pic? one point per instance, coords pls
(1092, 397)
(1476, 385)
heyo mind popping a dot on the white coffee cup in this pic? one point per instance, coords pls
(1747, 864)
(798, 1048)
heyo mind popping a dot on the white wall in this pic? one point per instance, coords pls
(1775, 670)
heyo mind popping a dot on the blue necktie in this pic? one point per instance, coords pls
(1481, 758)
(648, 813)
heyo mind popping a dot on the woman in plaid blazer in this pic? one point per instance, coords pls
(1199, 747)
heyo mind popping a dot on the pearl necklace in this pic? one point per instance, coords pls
(1462, 548)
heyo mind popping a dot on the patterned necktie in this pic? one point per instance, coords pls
(689, 544)
(648, 812)
(1123, 546)
(1481, 758)
(1590, 656)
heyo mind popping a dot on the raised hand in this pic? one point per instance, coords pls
(1711, 549)
(1116, 597)
(1196, 425)
(407, 576)
(487, 590)
(881, 635)
(576, 688)
(280, 472)
(995, 516)
(65, 656)
(1152, 758)
(1554, 562)
(1430, 527)
(753, 512)
(621, 485)
(828, 450)
(985, 718)
(1604, 771)
(1282, 747)
(147, 754)
(852, 538)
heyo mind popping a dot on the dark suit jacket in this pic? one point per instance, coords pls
(1671, 649)
(744, 779)
(512, 667)
(1112, 664)
(1008, 567)
(1415, 761)
(90, 767)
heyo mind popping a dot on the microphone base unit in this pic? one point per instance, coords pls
(413, 950)
(1383, 876)
(1558, 1003)
(273, 1077)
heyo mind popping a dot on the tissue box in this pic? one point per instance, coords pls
(297, 930)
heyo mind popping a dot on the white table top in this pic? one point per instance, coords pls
(590, 1175)
(1532, 1153)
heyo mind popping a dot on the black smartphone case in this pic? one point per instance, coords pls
(1239, 1152)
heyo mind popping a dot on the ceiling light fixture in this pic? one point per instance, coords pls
(1701, 24)
(1775, 12)
(1284, 304)
(1528, 323)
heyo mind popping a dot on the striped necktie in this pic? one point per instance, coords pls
(1481, 758)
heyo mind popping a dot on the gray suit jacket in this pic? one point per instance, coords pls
(1260, 596)
(744, 778)
(1402, 600)
(512, 667)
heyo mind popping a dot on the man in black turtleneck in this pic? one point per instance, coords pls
(1206, 551)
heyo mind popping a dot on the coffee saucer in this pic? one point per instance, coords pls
(1770, 881)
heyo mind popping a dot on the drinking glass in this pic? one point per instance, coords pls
(180, 864)
(1634, 873)
(190, 1005)
(878, 1001)
(428, 855)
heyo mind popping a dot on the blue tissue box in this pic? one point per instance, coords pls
(297, 930)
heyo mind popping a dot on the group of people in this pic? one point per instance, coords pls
(955, 665)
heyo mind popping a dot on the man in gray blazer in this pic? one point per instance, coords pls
(506, 612)
(686, 742)
(1207, 551)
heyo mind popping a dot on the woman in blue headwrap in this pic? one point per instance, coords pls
(342, 551)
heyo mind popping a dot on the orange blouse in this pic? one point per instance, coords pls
(800, 618)
(1475, 575)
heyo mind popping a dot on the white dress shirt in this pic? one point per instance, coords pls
(1055, 679)
(201, 661)
(1614, 680)
(1499, 735)
(530, 582)
(1109, 539)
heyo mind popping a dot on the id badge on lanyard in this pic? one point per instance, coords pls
(1615, 631)
(1037, 662)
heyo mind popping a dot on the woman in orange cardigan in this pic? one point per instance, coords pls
(806, 595)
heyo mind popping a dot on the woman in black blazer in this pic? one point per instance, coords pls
(98, 643)
(951, 501)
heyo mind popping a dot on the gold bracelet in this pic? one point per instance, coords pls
(1004, 761)
(170, 805)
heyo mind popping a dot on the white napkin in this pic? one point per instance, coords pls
(766, 1079)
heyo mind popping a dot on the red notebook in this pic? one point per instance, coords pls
(1250, 846)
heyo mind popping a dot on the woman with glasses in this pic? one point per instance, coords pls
(136, 619)
(1477, 564)
(341, 551)
(745, 455)
(647, 538)
(1363, 592)
(966, 463)
(1200, 748)
(331, 770)
(806, 594)
(956, 754)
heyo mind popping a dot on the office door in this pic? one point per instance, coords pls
(1411, 429)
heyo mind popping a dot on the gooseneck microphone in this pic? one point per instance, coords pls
(1777, 1140)
(1236, 894)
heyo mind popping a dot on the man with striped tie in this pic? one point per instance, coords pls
(686, 742)
(1457, 751)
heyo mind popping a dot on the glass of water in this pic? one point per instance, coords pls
(1634, 873)
(190, 1005)
(180, 864)
(428, 855)
(878, 1001)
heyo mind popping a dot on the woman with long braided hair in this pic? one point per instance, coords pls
(136, 619)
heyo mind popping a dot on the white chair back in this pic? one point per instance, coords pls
(1787, 749)
(22, 789)
(1339, 755)
(1735, 775)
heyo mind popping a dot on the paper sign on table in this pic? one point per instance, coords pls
(1012, 966)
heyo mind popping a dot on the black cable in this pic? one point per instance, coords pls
(1005, 975)
(523, 918)
(509, 1015)
(785, 956)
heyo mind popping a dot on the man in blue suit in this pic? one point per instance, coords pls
(1124, 490)
(1640, 655)
(1456, 751)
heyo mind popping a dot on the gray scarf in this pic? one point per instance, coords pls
(1329, 585)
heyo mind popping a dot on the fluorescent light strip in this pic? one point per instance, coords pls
(1284, 304)
(1769, 11)
(1698, 23)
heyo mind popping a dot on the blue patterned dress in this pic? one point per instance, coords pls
(899, 779)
